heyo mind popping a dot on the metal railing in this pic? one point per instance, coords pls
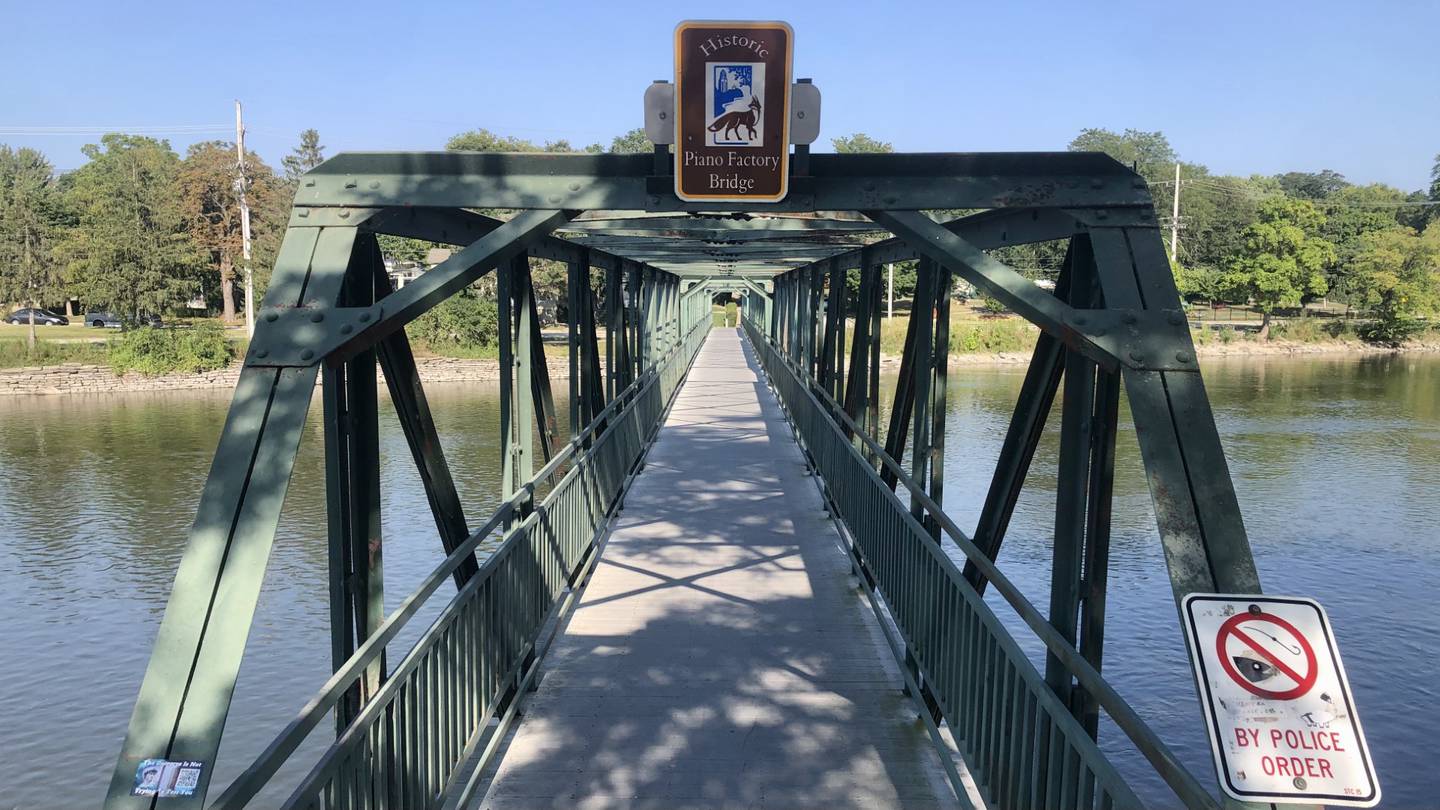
(437, 708)
(1022, 744)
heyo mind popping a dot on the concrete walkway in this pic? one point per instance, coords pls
(721, 656)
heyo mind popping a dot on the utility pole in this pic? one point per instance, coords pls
(240, 184)
(1175, 217)
(890, 305)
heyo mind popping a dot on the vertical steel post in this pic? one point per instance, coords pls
(922, 366)
(576, 284)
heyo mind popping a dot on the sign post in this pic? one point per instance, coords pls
(1282, 722)
(732, 111)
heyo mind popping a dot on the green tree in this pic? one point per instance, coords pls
(1397, 277)
(1312, 185)
(633, 142)
(859, 143)
(210, 206)
(1149, 152)
(130, 250)
(1284, 257)
(1215, 211)
(29, 216)
(305, 157)
(483, 140)
(1352, 212)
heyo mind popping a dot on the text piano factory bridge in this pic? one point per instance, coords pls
(733, 583)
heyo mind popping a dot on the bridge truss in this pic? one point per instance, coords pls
(643, 264)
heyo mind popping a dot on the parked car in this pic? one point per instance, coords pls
(112, 321)
(43, 317)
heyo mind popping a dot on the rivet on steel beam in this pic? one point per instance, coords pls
(1102, 214)
(344, 214)
(351, 182)
(554, 198)
(317, 317)
(374, 184)
(1137, 357)
(364, 317)
(574, 186)
(262, 353)
(307, 354)
(271, 317)
(346, 329)
(1183, 357)
(303, 213)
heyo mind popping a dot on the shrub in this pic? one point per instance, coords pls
(1391, 331)
(460, 322)
(152, 351)
(18, 354)
(992, 306)
(732, 314)
(992, 336)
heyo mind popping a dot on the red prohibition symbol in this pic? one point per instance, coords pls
(1303, 682)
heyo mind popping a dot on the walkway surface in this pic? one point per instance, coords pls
(721, 656)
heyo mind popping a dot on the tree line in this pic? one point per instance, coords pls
(1275, 242)
(140, 229)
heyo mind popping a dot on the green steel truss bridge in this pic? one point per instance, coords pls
(797, 594)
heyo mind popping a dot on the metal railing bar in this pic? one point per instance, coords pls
(1167, 765)
(432, 736)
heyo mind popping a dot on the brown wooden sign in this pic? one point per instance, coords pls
(732, 111)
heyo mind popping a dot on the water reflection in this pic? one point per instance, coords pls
(1336, 461)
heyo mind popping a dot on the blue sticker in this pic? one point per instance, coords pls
(164, 778)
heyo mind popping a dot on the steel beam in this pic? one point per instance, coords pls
(185, 697)
(628, 182)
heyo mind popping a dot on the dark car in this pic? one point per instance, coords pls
(44, 317)
(113, 321)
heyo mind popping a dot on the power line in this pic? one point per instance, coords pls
(177, 129)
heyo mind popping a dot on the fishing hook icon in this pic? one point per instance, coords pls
(1292, 649)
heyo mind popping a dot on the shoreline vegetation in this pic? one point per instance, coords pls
(1303, 258)
(201, 357)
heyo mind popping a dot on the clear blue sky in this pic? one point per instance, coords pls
(1244, 87)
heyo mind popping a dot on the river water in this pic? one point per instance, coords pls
(1336, 461)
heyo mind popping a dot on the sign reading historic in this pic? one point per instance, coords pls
(1282, 722)
(732, 111)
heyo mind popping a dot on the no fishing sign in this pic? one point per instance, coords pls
(1281, 718)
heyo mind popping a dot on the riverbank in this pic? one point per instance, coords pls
(1237, 348)
(82, 378)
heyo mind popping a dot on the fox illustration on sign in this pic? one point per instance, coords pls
(732, 121)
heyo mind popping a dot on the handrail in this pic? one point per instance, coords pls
(1184, 784)
(263, 768)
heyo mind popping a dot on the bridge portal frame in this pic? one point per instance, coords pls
(1114, 322)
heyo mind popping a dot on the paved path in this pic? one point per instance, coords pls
(721, 657)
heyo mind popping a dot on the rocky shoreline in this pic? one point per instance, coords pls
(77, 378)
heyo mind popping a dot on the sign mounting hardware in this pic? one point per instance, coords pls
(732, 111)
(1277, 704)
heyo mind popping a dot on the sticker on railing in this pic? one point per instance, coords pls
(165, 778)
(1282, 722)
